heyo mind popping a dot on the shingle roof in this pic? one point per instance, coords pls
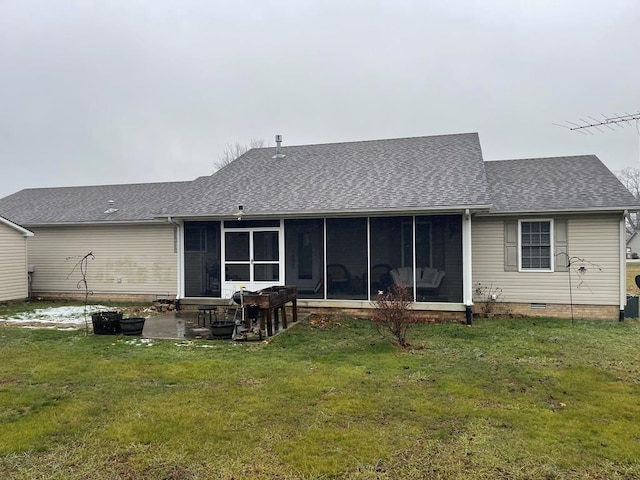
(555, 184)
(398, 175)
(369, 176)
(135, 202)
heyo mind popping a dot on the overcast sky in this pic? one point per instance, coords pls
(101, 92)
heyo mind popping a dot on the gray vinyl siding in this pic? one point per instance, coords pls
(13, 264)
(129, 259)
(593, 238)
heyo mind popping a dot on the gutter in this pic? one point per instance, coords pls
(451, 209)
(94, 223)
(15, 226)
(505, 213)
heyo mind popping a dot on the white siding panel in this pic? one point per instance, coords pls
(13, 264)
(592, 238)
(129, 259)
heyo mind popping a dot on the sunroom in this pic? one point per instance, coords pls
(341, 261)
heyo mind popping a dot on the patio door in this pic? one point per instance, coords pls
(252, 259)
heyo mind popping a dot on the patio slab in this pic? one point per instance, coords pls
(179, 325)
(170, 325)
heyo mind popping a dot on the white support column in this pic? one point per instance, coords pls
(467, 267)
(179, 241)
(623, 266)
(282, 270)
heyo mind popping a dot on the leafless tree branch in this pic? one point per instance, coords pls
(231, 152)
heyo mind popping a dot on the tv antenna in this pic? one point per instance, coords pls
(587, 126)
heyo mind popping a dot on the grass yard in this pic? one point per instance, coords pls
(503, 399)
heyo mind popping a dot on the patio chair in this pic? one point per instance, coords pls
(427, 278)
(380, 277)
(338, 278)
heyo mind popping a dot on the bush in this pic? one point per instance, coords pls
(392, 313)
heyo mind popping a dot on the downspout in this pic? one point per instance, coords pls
(467, 267)
(179, 249)
(623, 265)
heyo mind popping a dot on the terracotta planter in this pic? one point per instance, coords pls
(132, 326)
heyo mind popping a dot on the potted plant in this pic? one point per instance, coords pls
(223, 329)
(106, 323)
(132, 326)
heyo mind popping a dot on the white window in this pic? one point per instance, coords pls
(536, 245)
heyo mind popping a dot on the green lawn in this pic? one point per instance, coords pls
(502, 399)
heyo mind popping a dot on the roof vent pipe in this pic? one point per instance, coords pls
(111, 208)
(279, 153)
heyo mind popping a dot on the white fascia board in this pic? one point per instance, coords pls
(455, 209)
(564, 211)
(22, 230)
(98, 223)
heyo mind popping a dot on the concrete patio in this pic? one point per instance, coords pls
(184, 324)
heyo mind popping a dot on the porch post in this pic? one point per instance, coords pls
(623, 267)
(467, 269)
(179, 249)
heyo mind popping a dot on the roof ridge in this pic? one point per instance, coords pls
(369, 141)
(138, 184)
(541, 158)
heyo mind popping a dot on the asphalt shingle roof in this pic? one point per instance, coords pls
(397, 175)
(380, 175)
(135, 202)
(555, 184)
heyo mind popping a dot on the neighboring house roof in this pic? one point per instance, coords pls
(634, 242)
(134, 202)
(631, 237)
(556, 184)
(406, 174)
(15, 226)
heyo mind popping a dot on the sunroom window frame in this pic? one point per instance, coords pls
(551, 246)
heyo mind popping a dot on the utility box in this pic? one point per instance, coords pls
(631, 310)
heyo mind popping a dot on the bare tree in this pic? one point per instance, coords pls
(630, 178)
(231, 152)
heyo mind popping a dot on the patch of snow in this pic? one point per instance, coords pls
(56, 315)
(140, 341)
(50, 327)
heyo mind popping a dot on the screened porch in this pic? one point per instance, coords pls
(327, 258)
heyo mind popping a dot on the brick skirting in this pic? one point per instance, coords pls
(588, 312)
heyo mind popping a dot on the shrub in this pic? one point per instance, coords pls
(489, 296)
(392, 313)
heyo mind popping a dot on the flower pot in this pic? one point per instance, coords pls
(132, 326)
(106, 323)
(222, 329)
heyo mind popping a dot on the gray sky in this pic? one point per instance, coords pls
(100, 92)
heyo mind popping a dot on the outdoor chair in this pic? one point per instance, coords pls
(338, 278)
(381, 277)
(427, 278)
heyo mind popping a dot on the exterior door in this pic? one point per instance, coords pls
(252, 259)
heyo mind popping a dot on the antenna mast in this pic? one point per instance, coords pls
(593, 123)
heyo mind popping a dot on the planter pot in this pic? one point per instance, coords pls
(132, 326)
(222, 329)
(106, 323)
